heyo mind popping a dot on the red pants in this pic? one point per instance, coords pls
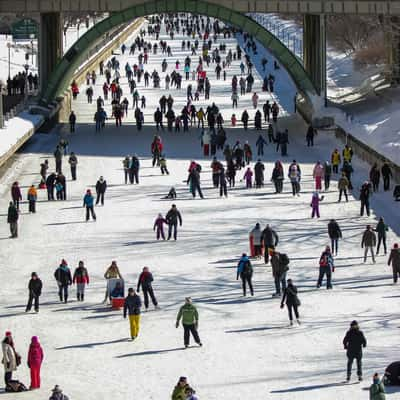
(318, 183)
(35, 377)
(206, 149)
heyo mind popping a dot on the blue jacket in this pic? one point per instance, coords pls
(88, 200)
(242, 263)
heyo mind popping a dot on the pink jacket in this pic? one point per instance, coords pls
(318, 171)
(35, 354)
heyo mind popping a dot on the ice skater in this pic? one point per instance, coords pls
(190, 321)
(315, 200)
(159, 226)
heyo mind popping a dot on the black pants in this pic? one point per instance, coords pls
(134, 176)
(247, 279)
(50, 192)
(350, 360)
(32, 206)
(58, 166)
(90, 210)
(266, 252)
(126, 174)
(327, 181)
(381, 239)
(215, 179)
(63, 292)
(173, 227)
(196, 187)
(100, 198)
(72, 127)
(7, 377)
(187, 329)
(322, 272)
(386, 182)
(343, 191)
(310, 141)
(334, 246)
(73, 173)
(364, 204)
(223, 190)
(291, 308)
(295, 188)
(33, 299)
(146, 292)
(335, 168)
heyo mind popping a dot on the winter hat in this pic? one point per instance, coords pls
(8, 334)
(182, 379)
(56, 389)
(396, 246)
(35, 339)
(88, 191)
(354, 323)
(33, 274)
(257, 225)
(63, 262)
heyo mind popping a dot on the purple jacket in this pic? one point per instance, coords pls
(315, 201)
(16, 193)
(159, 223)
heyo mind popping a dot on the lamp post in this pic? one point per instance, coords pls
(26, 66)
(9, 61)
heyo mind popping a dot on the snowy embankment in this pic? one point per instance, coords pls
(374, 120)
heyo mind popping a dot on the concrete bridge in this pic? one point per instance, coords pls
(309, 76)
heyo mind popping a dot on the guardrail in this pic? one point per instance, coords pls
(102, 53)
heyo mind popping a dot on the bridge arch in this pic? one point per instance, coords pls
(61, 77)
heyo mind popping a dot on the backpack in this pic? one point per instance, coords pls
(15, 386)
(284, 260)
(247, 269)
(323, 261)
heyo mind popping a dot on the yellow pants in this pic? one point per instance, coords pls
(134, 323)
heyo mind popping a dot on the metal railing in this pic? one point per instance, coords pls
(288, 35)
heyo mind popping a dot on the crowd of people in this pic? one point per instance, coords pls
(231, 161)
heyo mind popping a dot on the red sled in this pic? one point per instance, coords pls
(206, 149)
(117, 303)
(252, 249)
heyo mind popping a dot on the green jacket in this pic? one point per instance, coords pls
(189, 314)
(179, 393)
(376, 391)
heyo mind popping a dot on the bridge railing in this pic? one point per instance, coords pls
(288, 34)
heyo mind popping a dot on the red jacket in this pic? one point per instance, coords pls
(81, 276)
(35, 354)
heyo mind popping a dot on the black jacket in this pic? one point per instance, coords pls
(132, 305)
(334, 231)
(290, 295)
(270, 237)
(101, 186)
(173, 216)
(12, 215)
(35, 287)
(145, 279)
(63, 275)
(354, 341)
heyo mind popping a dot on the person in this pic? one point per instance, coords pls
(270, 241)
(145, 281)
(248, 177)
(112, 272)
(377, 389)
(9, 358)
(159, 225)
(335, 233)
(57, 394)
(72, 122)
(179, 392)
(16, 194)
(101, 187)
(163, 165)
(278, 177)
(396, 193)
(327, 174)
(12, 219)
(190, 322)
(394, 259)
(81, 278)
(368, 242)
(73, 162)
(294, 175)
(245, 271)
(58, 157)
(280, 266)
(343, 185)
(194, 181)
(50, 184)
(35, 359)
(118, 290)
(335, 161)
(259, 174)
(392, 374)
(381, 228)
(35, 290)
(326, 267)
(374, 177)
(311, 132)
(172, 217)
(88, 201)
(318, 174)
(63, 277)
(32, 197)
(43, 169)
(386, 174)
(365, 193)
(292, 301)
(260, 145)
(134, 167)
(315, 200)
(353, 343)
(132, 307)
(347, 153)
(256, 236)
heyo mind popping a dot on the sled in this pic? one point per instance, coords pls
(252, 250)
(116, 302)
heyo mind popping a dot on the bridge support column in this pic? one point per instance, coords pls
(314, 50)
(392, 41)
(50, 45)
